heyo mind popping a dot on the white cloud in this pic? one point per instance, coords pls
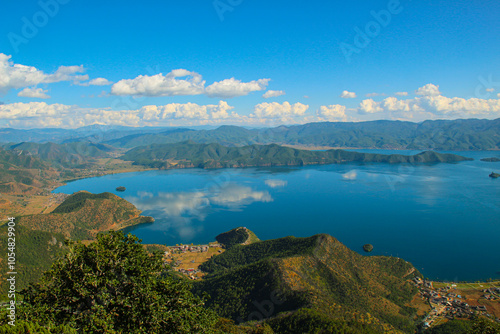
(393, 104)
(498, 95)
(347, 95)
(34, 92)
(334, 112)
(490, 89)
(36, 114)
(14, 76)
(184, 82)
(401, 93)
(97, 82)
(369, 106)
(273, 93)
(161, 85)
(229, 88)
(275, 183)
(279, 110)
(185, 111)
(428, 90)
(372, 94)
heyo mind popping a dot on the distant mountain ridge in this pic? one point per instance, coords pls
(457, 135)
(453, 135)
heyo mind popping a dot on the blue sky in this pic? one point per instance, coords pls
(443, 54)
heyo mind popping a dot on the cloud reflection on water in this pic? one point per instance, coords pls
(177, 213)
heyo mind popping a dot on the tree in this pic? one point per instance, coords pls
(115, 285)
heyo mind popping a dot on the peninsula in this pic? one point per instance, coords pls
(189, 154)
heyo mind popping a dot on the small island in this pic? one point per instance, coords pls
(494, 159)
(368, 248)
(494, 175)
(121, 188)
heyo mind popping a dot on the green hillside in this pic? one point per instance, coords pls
(311, 278)
(191, 154)
(237, 236)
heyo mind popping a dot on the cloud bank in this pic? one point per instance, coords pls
(427, 103)
(430, 104)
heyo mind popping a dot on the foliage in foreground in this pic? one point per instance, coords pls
(113, 285)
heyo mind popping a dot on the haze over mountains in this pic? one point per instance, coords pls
(462, 134)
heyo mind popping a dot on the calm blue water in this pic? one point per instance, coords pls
(444, 218)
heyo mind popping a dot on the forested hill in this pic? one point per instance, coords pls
(236, 236)
(190, 154)
(317, 282)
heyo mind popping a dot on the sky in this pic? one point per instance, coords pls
(72, 63)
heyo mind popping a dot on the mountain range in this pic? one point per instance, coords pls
(461, 134)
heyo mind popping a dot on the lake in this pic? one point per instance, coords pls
(443, 218)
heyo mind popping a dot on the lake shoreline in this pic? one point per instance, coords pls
(434, 204)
